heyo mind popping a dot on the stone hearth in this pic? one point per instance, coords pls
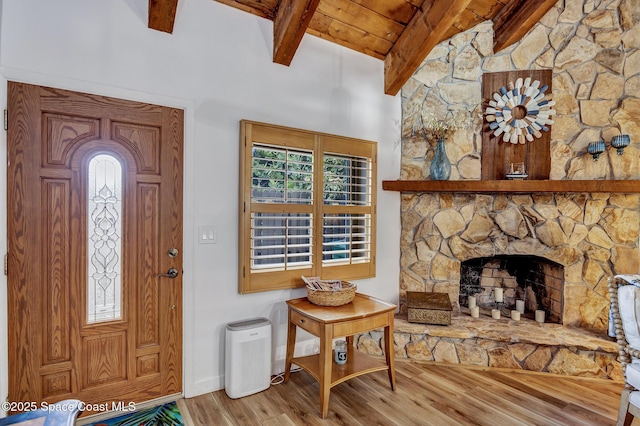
(504, 343)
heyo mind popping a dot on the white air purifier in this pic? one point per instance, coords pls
(247, 357)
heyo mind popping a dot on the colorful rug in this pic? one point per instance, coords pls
(165, 415)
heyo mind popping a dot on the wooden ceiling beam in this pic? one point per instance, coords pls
(516, 18)
(425, 30)
(263, 9)
(290, 24)
(162, 14)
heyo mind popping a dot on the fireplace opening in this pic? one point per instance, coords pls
(535, 280)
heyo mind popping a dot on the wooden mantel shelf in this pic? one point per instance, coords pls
(517, 186)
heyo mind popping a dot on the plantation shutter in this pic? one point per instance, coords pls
(307, 207)
(283, 240)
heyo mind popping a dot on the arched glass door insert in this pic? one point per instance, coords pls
(104, 245)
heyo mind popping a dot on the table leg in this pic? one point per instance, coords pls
(291, 345)
(389, 351)
(349, 341)
(326, 359)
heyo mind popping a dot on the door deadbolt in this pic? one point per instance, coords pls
(173, 252)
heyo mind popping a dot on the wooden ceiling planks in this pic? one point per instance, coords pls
(400, 32)
(362, 18)
(400, 11)
(346, 35)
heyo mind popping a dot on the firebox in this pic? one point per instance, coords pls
(535, 280)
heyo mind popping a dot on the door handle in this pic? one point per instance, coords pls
(171, 273)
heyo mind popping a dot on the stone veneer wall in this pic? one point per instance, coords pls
(593, 48)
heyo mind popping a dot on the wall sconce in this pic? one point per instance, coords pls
(595, 149)
(619, 142)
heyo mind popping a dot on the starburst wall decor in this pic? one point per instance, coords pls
(521, 112)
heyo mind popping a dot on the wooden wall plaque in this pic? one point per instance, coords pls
(498, 155)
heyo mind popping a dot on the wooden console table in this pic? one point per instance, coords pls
(364, 314)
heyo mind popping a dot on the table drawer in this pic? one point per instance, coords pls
(349, 328)
(305, 323)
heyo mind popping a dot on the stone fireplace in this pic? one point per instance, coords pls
(537, 282)
(576, 240)
(563, 244)
(593, 51)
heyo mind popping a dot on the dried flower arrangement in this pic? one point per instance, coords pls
(434, 128)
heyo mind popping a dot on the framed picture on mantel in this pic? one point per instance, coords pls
(499, 152)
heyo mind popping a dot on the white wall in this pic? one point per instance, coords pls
(217, 65)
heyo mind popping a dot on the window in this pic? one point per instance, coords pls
(104, 222)
(307, 207)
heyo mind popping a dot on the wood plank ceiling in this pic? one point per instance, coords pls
(399, 32)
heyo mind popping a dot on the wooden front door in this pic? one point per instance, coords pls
(94, 215)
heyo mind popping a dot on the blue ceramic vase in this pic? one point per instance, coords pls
(440, 168)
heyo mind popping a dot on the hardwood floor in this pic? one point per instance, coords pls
(427, 394)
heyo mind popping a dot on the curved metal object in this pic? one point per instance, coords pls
(171, 273)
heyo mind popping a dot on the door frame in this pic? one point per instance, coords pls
(188, 238)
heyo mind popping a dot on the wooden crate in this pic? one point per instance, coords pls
(429, 308)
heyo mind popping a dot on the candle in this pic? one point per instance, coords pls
(515, 315)
(520, 306)
(495, 313)
(475, 312)
(540, 316)
(471, 300)
(497, 292)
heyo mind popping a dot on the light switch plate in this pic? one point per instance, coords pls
(207, 235)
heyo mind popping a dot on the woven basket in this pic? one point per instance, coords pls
(332, 297)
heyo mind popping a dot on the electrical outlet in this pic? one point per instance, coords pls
(207, 235)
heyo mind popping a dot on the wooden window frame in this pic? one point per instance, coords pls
(318, 143)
